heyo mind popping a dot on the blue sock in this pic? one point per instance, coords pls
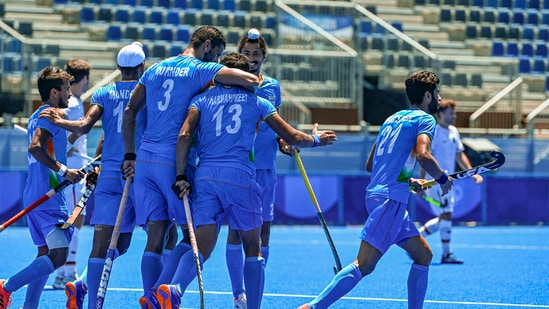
(254, 280)
(235, 265)
(341, 284)
(151, 267)
(34, 291)
(265, 253)
(417, 285)
(171, 262)
(186, 271)
(95, 270)
(41, 266)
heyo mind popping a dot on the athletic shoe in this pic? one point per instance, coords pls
(305, 306)
(149, 300)
(5, 296)
(59, 283)
(240, 302)
(450, 258)
(168, 296)
(76, 291)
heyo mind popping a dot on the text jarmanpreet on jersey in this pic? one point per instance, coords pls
(394, 157)
(113, 99)
(170, 85)
(228, 119)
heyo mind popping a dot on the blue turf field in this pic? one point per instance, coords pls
(505, 267)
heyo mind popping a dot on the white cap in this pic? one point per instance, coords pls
(131, 55)
(253, 34)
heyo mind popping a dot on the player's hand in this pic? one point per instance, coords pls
(478, 179)
(181, 186)
(326, 137)
(91, 178)
(286, 149)
(52, 114)
(127, 168)
(74, 175)
(446, 187)
(417, 185)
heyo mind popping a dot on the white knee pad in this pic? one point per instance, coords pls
(57, 239)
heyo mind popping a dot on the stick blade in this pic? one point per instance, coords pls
(500, 158)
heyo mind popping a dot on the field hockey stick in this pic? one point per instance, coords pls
(91, 183)
(194, 247)
(338, 267)
(483, 168)
(86, 168)
(113, 245)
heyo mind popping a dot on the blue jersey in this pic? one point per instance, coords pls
(113, 99)
(170, 85)
(40, 178)
(228, 120)
(266, 146)
(394, 156)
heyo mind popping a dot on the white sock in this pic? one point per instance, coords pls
(445, 235)
(70, 265)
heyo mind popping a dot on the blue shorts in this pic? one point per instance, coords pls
(42, 222)
(266, 179)
(108, 194)
(229, 193)
(154, 177)
(387, 224)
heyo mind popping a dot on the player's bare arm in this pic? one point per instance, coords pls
(184, 140)
(129, 123)
(430, 164)
(297, 138)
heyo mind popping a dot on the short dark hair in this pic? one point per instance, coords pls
(260, 40)
(445, 104)
(207, 33)
(419, 82)
(235, 60)
(51, 77)
(79, 68)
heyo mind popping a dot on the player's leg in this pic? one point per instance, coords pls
(267, 180)
(70, 266)
(420, 252)
(254, 268)
(235, 265)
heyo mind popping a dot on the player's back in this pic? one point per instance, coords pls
(228, 120)
(170, 85)
(394, 156)
(113, 99)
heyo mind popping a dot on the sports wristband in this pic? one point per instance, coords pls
(443, 179)
(316, 140)
(62, 170)
(181, 177)
(129, 156)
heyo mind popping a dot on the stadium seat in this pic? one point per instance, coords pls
(156, 16)
(365, 27)
(270, 22)
(464, 2)
(229, 5)
(139, 15)
(397, 25)
(114, 32)
(233, 37)
(239, 19)
(500, 32)
(180, 4)
(166, 33)
(183, 33)
(527, 49)
(261, 6)
(474, 15)
(514, 31)
(445, 15)
(164, 4)
(539, 66)
(175, 49)
(131, 3)
(213, 4)
(25, 28)
(105, 13)
(41, 63)
(460, 15)
(534, 4)
(87, 14)
(486, 31)
(403, 61)
(524, 65)
(256, 21)
(173, 16)
(97, 2)
(197, 4)
(159, 50)
(131, 31)
(446, 79)
(520, 4)
(546, 80)
(504, 16)
(460, 79)
(267, 36)
(113, 2)
(189, 16)
(528, 33)
(389, 60)
(512, 49)
(393, 44)
(419, 61)
(147, 3)
(543, 33)
(223, 18)
(489, 15)
(545, 5)
(518, 16)
(148, 32)
(122, 14)
(53, 49)
(379, 30)
(363, 42)
(532, 16)
(541, 49)
(506, 4)
(497, 49)
(244, 5)
(378, 43)
(207, 17)
(545, 16)
(476, 80)
(491, 4)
